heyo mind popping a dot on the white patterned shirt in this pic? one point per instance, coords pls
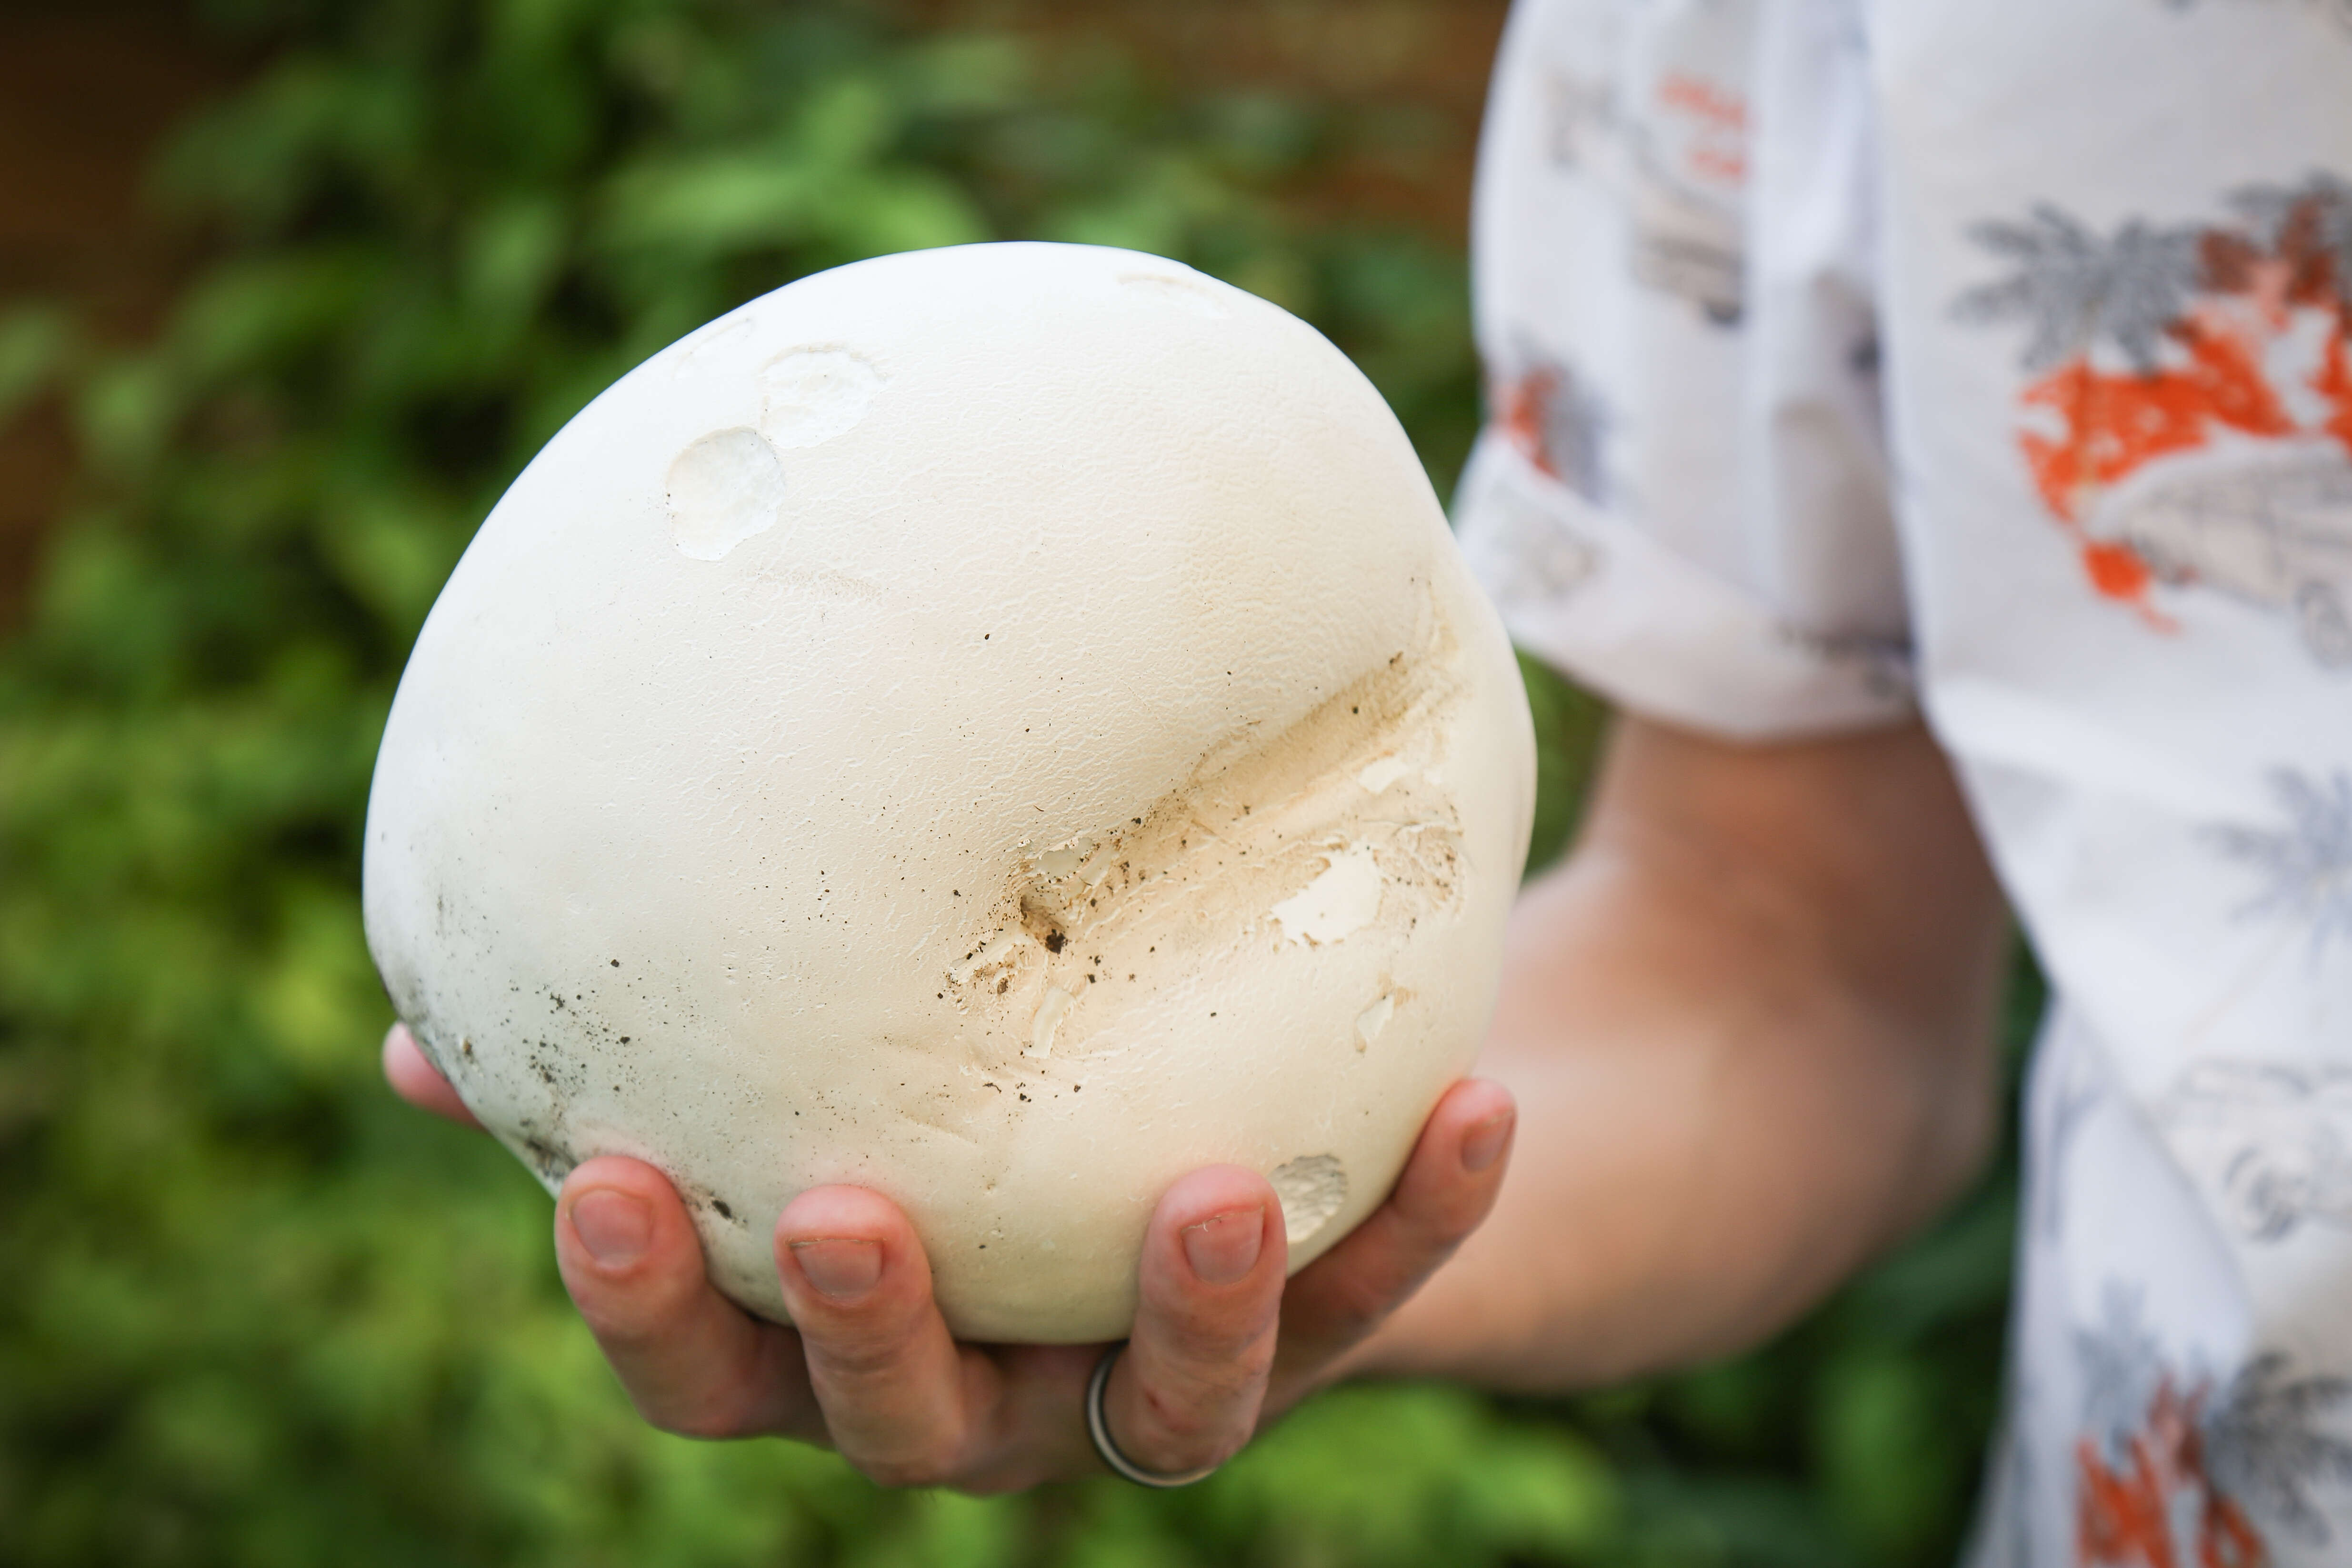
(1992, 359)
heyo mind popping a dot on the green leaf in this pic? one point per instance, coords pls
(36, 342)
(246, 315)
(708, 205)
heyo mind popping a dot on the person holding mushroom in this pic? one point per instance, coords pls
(1939, 444)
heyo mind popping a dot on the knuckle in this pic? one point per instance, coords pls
(1440, 1200)
(859, 1356)
(1200, 1346)
(622, 1325)
(1423, 1218)
(1205, 1423)
(1201, 1401)
(1443, 1225)
(898, 1475)
(1355, 1307)
(1189, 1443)
(997, 1482)
(922, 1468)
(638, 1311)
(724, 1406)
(708, 1422)
(1177, 1427)
(635, 1341)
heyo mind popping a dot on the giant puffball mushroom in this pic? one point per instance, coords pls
(1002, 726)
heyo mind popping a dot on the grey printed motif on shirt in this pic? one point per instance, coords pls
(1686, 248)
(2178, 1466)
(2121, 1364)
(2306, 862)
(2075, 288)
(1526, 556)
(1580, 120)
(2268, 1144)
(2264, 1445)
(1677, 162)
(1885, 663)
(2188, 419)
(2269, 526)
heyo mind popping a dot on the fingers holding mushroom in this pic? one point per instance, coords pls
(901, 1400)
(1185, 1395)
(417, 1081)
(1448, 1186)
(874, 1371)
(693, 1362)
(910, 1407)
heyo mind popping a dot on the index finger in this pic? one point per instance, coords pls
(416, 1080)
(1447, 1188)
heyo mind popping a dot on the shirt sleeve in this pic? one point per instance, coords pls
(1681, 497)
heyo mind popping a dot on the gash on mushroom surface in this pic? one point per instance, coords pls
(1000, 725)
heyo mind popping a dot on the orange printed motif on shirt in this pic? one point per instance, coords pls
(1555, 418)
(1714, 144)
(2155, 1506)
(2190, 1471)
(1673, 156)
(2190, 422)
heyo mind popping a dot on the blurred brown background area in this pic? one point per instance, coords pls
(88, 88)
(1421, 64)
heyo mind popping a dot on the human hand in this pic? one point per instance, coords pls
(1220, 1340)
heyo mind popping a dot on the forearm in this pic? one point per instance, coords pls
(1736, 1080)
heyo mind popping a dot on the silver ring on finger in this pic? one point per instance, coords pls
(1106, 1447)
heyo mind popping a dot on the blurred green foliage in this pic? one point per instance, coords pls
(257, 1312)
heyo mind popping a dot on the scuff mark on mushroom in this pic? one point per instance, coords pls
(1048, 1022)
(1270, 833)
(1312, 1187)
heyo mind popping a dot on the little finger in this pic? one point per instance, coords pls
(1447, 1188)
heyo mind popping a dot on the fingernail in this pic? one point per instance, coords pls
(1482, 1146)
(617, 1229)
(1224, 1248)
(841, 1267)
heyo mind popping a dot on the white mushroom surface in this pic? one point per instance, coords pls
(1002, 726)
